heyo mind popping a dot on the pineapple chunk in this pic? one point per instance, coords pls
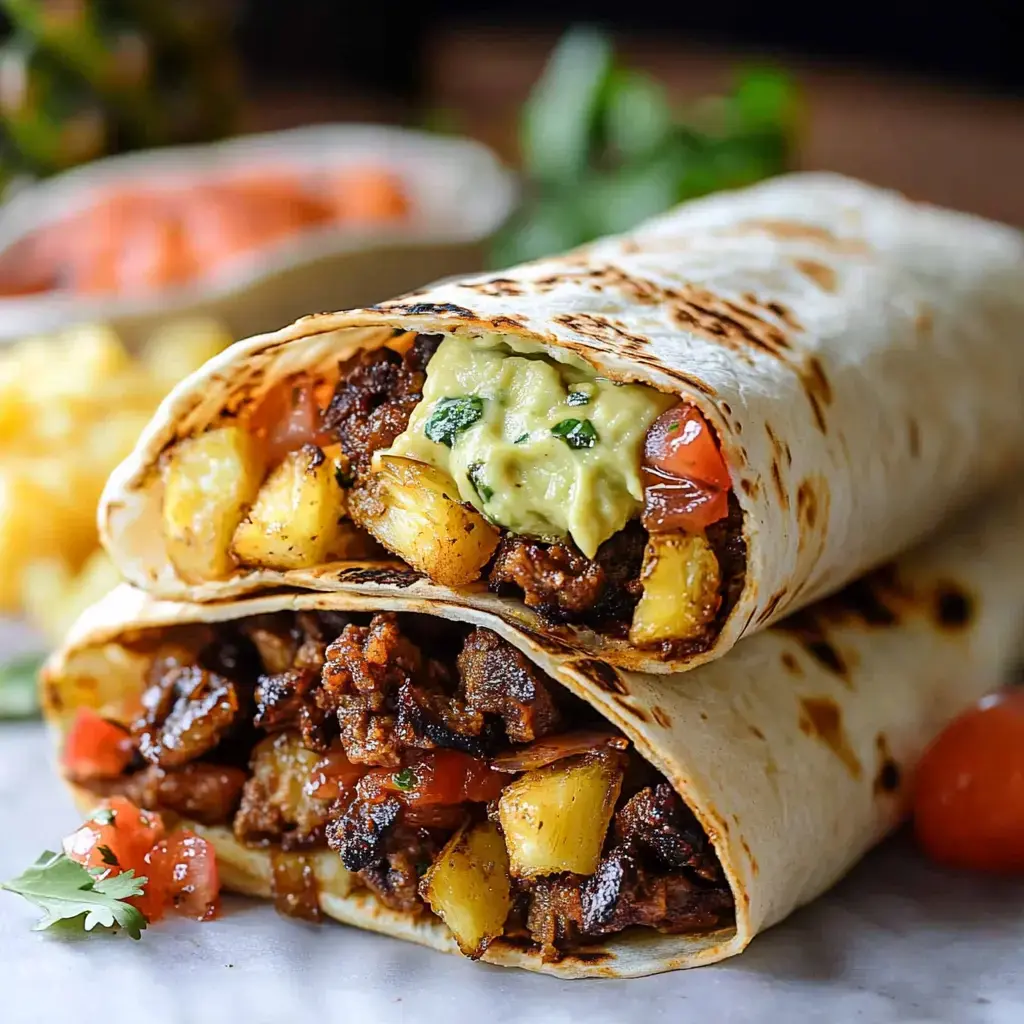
(469, 889)
(555, 818)
(281, 767)
(209, 482)
(414, 510)
(296, 520)
(682, 584)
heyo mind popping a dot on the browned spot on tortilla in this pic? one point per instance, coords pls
(496, 286)
(820, 273)
(634, 710)
(888, 776)
(817, 389)
(750, 856)
(53, 699)
(780, 487)
(688, 379)
(381, 576)
(953, 607)
(548, 642)
(798, 231)
(807, 504)
(704, 716)
(600, 328)
(914, 437)
(661, 716)
(790, 664)
(805, 627)
(602, 675)
(426, 309)
(822, 718)
(749, 487)
(506, 322)
(723, 320)
(773, 437)
(756, 732)
(924, 321)
(726, 408)
(773, 603)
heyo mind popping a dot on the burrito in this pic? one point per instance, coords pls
(644, 449)
(429, 771)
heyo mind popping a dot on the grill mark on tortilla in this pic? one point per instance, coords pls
(820, 273)
(790, 664)
(749, 487)
(426, 309)
(953, 607)
(600, 328)
(805, 627)
(661, 716)
(780, 487)
(602, 675)
(636, 712)
(924, 321)
(822, 718)
(750, 856)
(795, 230)
(497, 287)
(723, 320)
(384, 576)
(773, 603)
(754, 731)
(888, 777)
(807, 503)
(817, 389)
(914, 437)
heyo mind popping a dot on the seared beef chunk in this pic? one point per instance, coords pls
(726, 540)
(375, 396)
(187, 711)
(395, 877)
(656, 821)
(359, 834)
(498, 679)
(566, 586)
(287, 701)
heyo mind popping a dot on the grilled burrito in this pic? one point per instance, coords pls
(429, 771)
(646, 449)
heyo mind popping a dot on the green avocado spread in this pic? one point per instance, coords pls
(546, 448)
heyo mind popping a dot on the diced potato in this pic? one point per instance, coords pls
(682, 582)
(468, 887)
(209, 483)
(414, 510)
(281, 767)
(296, 521)
(53, 597)
(555, 818)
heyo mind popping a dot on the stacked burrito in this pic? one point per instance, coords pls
(430, 607)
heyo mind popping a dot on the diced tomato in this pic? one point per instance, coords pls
(182, 872)
(288, 418)
(439, 777)
(333, 775)
(686, 480)
(95, 748)
(969, 789)
(116, 838)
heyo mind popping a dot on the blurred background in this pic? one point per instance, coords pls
(337, 154)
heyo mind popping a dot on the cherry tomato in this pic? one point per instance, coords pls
(686, 480)
(182, 872)
(95, 748)
(969, 800)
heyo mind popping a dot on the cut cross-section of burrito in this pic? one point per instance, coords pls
(646, 448)
(428, 771)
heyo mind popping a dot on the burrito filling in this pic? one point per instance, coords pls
(597, 502)
(366, 754)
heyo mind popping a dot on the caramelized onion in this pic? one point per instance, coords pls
(554, 748)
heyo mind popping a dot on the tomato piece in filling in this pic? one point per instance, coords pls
(686, 480)
(182, 872)
(439, 777)
(95, 748)
(289, 418)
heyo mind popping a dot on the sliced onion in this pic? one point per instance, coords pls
(555, 748)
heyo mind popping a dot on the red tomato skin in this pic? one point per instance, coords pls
(95, 748)
(969, 789)
(443, 777)
(183, 869)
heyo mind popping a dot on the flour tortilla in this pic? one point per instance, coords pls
(795, 752)
(861, 358)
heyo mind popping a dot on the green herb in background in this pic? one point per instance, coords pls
(603, 148)
(66, 891)
(19, 686)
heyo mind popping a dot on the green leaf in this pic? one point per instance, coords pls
(65, 891)
(19, 686)
(765, 98)
(576, 433)
(637, 116)
(451, 416)
(560, 114)
(577, 396)
(405, 779)
(483, 492)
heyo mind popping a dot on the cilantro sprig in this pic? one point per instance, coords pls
(66, 891)
(451, 416)
(19, 686)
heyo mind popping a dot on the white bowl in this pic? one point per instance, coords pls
(460, 195)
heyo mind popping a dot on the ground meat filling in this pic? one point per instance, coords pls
(375, 397)
(370, 737)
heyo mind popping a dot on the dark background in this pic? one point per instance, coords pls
(385, 46)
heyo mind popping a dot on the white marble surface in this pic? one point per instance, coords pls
(898, 941)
